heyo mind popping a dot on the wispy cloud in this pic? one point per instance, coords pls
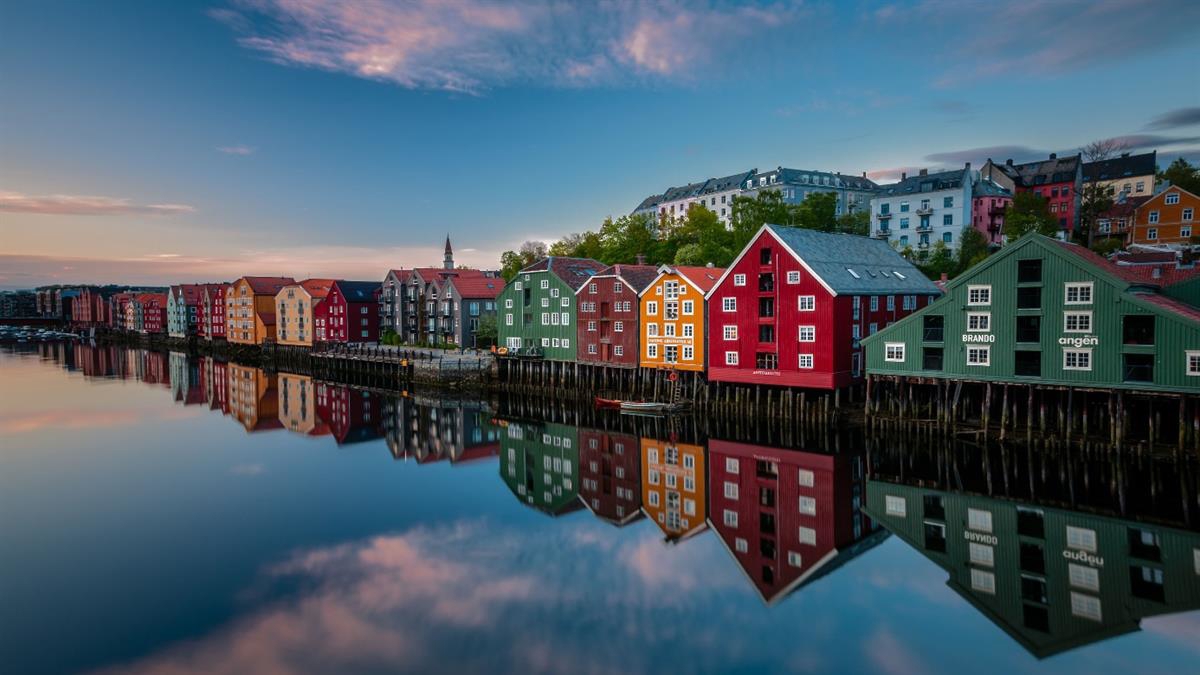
(1172, 119)
(473, 45)
(1153, 141)
(242, 150)
(977, 156)
(892, 656)
(84, 205)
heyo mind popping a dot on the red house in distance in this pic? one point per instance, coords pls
(608, 310)
(787, 517)
(349, 313)
(791, 308)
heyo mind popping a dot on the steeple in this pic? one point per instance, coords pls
(448, 259)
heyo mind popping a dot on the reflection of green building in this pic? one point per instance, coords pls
(540, 464)
(1052, 579)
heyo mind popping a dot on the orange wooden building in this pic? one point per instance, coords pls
(250, 309)
(673, 317)
(1168, 217)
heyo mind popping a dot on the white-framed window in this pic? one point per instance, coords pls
(981, 554)
(808, 333)
(1170, 199)
(653, 498)
(689, 352)
(729, 332)
(808, 536)
(1152, 233)
(729, 518)
(651, 330)
(806, 303)
(1081, 538)
(1188, 215)
(689, 307)
(740, 545)
(979, 520)
(566, 319)
(979, 356)
(807, 506)
(979, 295)
(1087, 578)
(1086, 606)
(731, 358)
(508, 320)
(592, 289)
(806, 478)
(731, 490)
(739, 280)
(895, 506)
(794, 559)
(793, 277)
(618, 350)
(1077, 359)
(566, 302)
(618, 326)
(729, 304)
(591, 349)
(979, 322)
(731, 465)
(689, 330)
(1078, 293)
(652, 351)
(1193, 362)
(805, 361)
(1077, 322)
(983, 581)
(652, 308)
(669, 330)
(591, 326)
(894, 352)
(1153, 217)
(545, 283)
(874, 303)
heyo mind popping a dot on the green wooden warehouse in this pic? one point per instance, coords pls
(1053, 579)
(537, 309)
(540, 464)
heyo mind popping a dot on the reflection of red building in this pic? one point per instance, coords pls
(786, 516)
(353, 415)
(610, 475)
(217, 389)
(152, 367)
(96, 361)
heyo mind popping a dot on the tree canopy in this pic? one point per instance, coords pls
(1183, 174)
(1028, 213)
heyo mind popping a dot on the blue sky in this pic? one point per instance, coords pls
(160, 142)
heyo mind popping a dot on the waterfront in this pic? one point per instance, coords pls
(166, 513)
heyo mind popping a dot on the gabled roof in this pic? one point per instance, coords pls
(848, 264)
(637, 276)
(703, 278)
(429, 274)
(267, 285)
(574, 271)
(785, 176)
(317, 288)
(1176, 307)
(358, 291)
(1089, 256)
(1043, 172)
(477, 287)
(1120, 167)
(987, 188)
(1166, 191)
(929, 182)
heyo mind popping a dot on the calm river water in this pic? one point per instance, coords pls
(161, 514)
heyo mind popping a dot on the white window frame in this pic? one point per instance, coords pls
(1086, 353)
(894, 352)
(651, 308)
(1191, 362)
(979, 520)
(983, 322)
(805, 361)
(729, 304)
(1079, 286)
(1081, 539)
(1170, 199)
(807, 334)
(1087, 578)
(731, 358)
(1086, 606)
(793, 277)
(986, 350)
(806, 478)
(981, 554)
(730, 518)
(806, 303)
(983, 581)
(732, 465)
(688, 307)
(894, 505)
(1069, 315)
(730, 333)
(731, 490)
(806, 505)
(739, 280)
(652, 351)
(807, 536)
(984, 298)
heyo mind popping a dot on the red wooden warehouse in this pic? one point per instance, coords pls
(350, 313)
(791, 308)
(610, 469)
(607, 326)
(787, 517)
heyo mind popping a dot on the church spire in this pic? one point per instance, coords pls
(448, 259)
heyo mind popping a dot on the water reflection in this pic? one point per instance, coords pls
(1056, 550)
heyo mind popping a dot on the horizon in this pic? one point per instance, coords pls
(151, 144)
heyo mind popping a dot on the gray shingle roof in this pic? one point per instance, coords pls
(852, 265)
(358, 291)
(1043, 172)
(785, 176)
(986, 188)
(574, 271)
(637, 276)
(1120, 167)
(943, 180)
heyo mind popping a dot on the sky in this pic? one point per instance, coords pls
(152, 142)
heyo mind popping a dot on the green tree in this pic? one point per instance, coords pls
(856, 222)
(702, 229)
(1183, 174)
(512, 262)
(689, 254)
(1107, 245)
(938, 262)
(1028, 213)
(817, 212)
(486, 332)
(1095, 198)
(972, 249)
(751, 213)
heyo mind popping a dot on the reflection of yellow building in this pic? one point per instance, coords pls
(294, 305)
(297, 405)
(673, 487)
(253, 398)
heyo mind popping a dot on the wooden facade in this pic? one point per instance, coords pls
(349, 313)
(673, 317)
(1168, 217)
(537, 309)
(673, 487)
(296, 310)
(607, 329)
(540, 464)
(250, 309)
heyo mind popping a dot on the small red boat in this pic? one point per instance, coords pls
(609, 403)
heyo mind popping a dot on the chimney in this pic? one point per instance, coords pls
(1124, 154)
(1008, 162)
(903, 175)
(944, 278)
(968, 166)
(641, 258)
(864, 174)
(924, 172)
(1054, 155)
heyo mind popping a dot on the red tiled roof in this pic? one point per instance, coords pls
(268, 285)
(1172, 305)
(317, 288)
(704, 277)
(1095, 259)
(428, 274)
(160, 298)
(1147, 258)
(637, 276)
(478, 287)
(268, 318)
(1167, 275)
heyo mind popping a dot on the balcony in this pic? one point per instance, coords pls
(882, 233)
(924, 227)
(924, 211)
(923, 245)
(884, 216)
